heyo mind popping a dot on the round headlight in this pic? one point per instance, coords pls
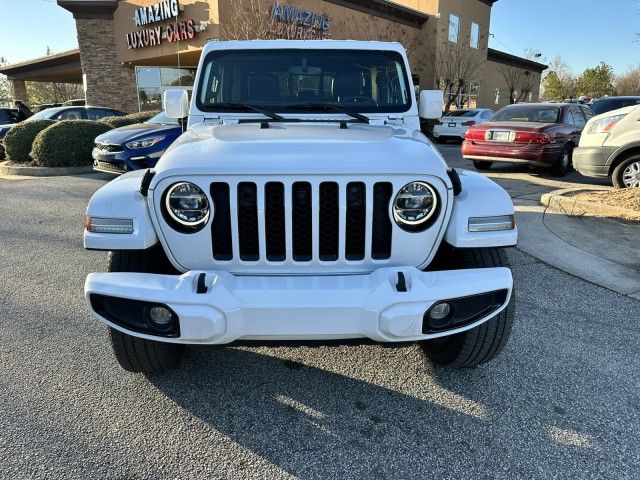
(414, 205)
(187, 204)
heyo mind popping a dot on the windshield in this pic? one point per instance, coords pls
(606, 105)
(43, 114)
(357, 80)
(528, 113)
(161, 118)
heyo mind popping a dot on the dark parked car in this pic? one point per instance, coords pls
(8, 116)
(75, 102)
(608, 104)
(64, 113)
(135, 146)
(44, 106)
(538, 134)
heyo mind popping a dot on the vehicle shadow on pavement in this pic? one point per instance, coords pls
(315, 423)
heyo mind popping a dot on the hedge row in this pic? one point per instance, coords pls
(115, 122)
(18, 141)
(66, 143)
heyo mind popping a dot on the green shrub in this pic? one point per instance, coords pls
(115, 122)
(67, 143)
(19, 139)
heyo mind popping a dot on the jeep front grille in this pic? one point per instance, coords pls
(277, 221)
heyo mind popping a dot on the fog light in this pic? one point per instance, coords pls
(160, 315)
(440, 311)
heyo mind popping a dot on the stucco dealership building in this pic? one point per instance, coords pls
(131, 50)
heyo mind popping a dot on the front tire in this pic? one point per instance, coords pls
(135, 354)
(484, 342)
(627, 173)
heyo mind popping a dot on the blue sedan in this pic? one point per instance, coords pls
(135, 146)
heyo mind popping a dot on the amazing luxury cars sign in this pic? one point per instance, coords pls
(294, 23)
(155, 35)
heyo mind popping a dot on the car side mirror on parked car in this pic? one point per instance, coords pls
(175, 103)
(431, 104)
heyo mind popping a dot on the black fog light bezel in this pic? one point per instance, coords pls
(465, 310)
(134, 315)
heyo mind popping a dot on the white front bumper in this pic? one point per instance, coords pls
(300, 307)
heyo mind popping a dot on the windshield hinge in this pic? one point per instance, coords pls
(212, 120)
(395, 120)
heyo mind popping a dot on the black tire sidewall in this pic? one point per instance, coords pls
(616, 176)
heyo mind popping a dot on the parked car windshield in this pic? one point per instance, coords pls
(607, 104)
(44, 114)
(528, 113)
(370, 81)
(462, 113)
(162, 119)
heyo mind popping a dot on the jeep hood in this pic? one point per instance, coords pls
(302, 149)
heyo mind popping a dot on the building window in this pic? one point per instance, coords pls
(497, 99)
(475, 35)
(152, 81)
(469, 96)
(454, 28)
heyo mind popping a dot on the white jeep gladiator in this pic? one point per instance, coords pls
(302, 205)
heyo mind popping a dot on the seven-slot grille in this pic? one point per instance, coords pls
(301, 221)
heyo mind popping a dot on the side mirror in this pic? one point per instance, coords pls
(175, 103)
(431, 104)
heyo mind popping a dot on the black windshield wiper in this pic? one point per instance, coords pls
(247, 107)
(329, 107)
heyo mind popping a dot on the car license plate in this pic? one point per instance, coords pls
(452, 125)
(500, 136)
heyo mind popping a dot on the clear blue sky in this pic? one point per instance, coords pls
(583, 32)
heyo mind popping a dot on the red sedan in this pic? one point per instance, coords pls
(536, 134)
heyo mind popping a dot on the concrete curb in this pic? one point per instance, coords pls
(30, 171)
(557, 200)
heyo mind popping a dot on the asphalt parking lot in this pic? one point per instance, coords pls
(563, 400)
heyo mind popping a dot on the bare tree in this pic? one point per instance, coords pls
(519, 82)
(5, 91)
(629, 82)
(455, 68)
(52, 92)
(559, 81)
(247, 20)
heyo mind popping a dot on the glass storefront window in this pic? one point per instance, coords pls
(174, 77)
(150, 98)
(152, 81)
(148, 77)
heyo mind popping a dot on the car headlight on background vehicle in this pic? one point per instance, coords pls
(415, 205)
(145, 143)
(604, 125)
(187, 206)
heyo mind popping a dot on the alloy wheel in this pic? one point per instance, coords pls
(631, 175)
